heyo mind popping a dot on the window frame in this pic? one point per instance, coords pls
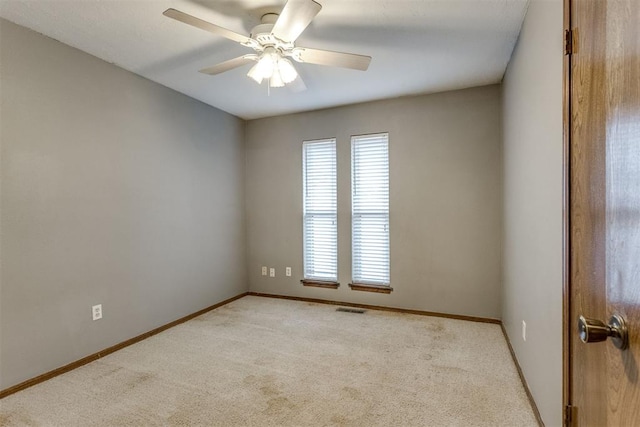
(361, 282)
(310, 277)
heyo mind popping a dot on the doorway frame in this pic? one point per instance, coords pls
(566, 215)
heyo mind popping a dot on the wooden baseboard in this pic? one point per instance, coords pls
(536, 412)
(380, 307)
(95, 356)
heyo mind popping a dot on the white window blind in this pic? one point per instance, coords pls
(370, 209)
(320, 211)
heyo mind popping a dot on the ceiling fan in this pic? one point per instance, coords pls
(274, 42)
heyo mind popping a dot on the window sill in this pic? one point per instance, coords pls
(320, 284)
(382, 289)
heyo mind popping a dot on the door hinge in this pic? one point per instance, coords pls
(568, 42)
(570, 418)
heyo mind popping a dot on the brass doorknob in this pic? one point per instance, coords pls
(592, 330)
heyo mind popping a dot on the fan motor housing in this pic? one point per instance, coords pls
(262, 33)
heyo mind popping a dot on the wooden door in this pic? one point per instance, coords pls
(604, 203)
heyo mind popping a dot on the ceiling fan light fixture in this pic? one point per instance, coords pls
(276, 79)
(271, 66)
(256, 74)
(266, 64)
(287, 71)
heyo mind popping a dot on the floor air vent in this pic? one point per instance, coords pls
(350, 310)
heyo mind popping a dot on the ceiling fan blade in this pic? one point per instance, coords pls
(229, 65)
(294, 18)
(204, 25)
(335, 59)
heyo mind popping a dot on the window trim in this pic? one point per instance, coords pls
(367, 287)
(328, 284)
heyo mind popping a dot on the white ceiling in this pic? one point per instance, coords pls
(418, 46)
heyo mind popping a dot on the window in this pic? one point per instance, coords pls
(320, 212)
(370, 210)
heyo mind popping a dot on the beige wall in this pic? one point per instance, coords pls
(115, 190)
(445, 199)
(533, 204)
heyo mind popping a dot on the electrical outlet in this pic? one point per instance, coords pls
(96, 312)
(288, 272)
(524, 330)
(272, 272)
(264, 270)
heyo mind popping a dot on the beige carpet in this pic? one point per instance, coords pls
(268, 362)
